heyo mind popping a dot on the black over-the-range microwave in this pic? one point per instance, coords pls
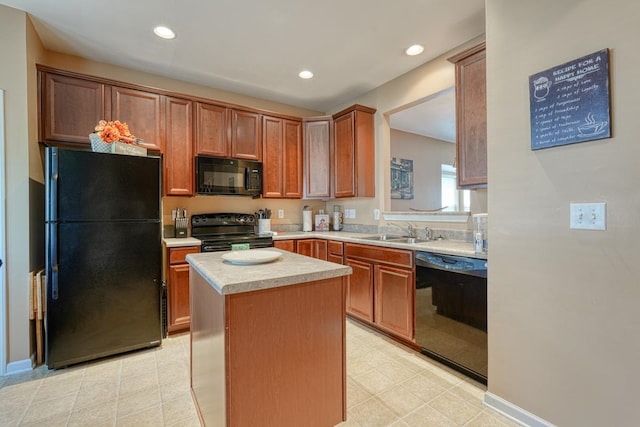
(218, 176)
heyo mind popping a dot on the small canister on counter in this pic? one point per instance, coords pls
(337, 217)
(480, 236)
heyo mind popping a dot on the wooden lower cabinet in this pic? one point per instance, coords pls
(335, 251)
(360, 290)
(381, 289)
(394, 300)
(270, 358)
(316, 248)
(178, 311)
(285, 245)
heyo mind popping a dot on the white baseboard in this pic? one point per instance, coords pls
(514, 412)
(19, 366)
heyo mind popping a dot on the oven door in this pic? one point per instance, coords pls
(451, 311)
(230, 177)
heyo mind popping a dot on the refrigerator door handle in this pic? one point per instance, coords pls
(53, 254)
(52, 189)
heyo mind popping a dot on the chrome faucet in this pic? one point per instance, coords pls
(428, 233)
(410, 230)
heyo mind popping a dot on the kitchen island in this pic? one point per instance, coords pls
(268, 340)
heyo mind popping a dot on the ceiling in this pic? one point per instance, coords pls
(435, 117)
(257, 47)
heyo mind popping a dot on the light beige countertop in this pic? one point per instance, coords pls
(172, 242)
(289, 269)
(446, 247)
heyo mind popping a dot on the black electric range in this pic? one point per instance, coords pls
(223, 231)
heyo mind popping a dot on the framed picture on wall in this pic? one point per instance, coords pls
(570, 102)
(401, 178)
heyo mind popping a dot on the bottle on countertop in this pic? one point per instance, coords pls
(307, 222)
(480, 240)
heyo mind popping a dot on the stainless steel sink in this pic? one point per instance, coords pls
(395, 239)
(389, 237)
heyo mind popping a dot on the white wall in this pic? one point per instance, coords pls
(564, 323)
(13, 79)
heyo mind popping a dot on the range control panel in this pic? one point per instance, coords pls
(203, 220)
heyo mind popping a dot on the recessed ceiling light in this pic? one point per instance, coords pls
(164, 32)
(414, 50)
(305, 74)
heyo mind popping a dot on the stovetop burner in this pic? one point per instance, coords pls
(219, 231)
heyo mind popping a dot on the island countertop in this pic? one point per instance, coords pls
(290, 269)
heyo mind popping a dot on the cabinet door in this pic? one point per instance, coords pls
(305, 247)
(142, 111)
(345, 185)
(292, 159)
(178, 298)
(285, 245)
(334, 258)
(178, 172)
(354, 152)
(320, 249)
(315, 248)
(365, 166)
(246, 142)
(71, 108)
(212, 126)
(471, 118)
(317, 159)
(394, 300)
(273, 156)
(335, 250)
(360, 290)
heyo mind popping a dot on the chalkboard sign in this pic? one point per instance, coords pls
(570, 103)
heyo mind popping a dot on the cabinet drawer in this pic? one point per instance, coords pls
(335, 248)
(178, 255)
(397, 257)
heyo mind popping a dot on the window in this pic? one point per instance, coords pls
(452, 198)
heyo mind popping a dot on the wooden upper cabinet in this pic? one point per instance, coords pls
(70, 108)
(292, 156)
(282, 158)
(471, 117)
(246, 140)
(179, 164)
(354, 152)
(212, 128)
(143, 112)
(318, 156)
(272, 151)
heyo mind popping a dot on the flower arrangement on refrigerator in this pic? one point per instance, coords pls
(114, 131)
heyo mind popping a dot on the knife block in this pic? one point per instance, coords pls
(180, 225)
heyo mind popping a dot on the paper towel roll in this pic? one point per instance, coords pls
(306, 220)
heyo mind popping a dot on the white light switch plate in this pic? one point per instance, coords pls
(280, 213)
(588, 216)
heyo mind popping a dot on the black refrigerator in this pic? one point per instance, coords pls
(103, 255)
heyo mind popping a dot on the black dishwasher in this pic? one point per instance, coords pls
(451, 311)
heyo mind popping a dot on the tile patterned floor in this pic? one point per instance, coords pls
(387, 385)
